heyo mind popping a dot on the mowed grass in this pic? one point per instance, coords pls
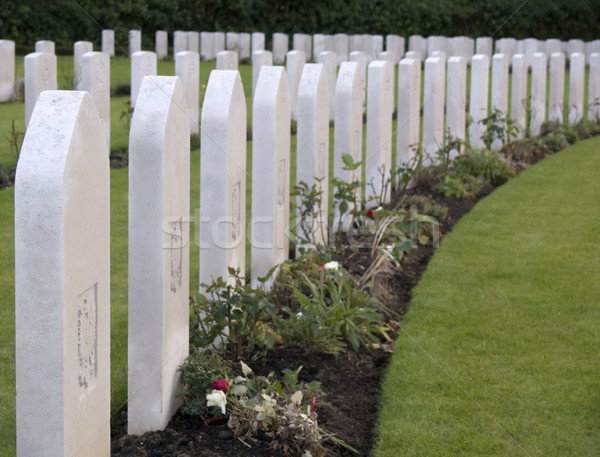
(500, 352)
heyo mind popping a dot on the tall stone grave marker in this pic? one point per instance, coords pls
(556, 93)
(506, 46)
(594, 87)
(456, 99)
(258, 42)
(7, 70)
(271, 171)
(159, 205)
(342, 48)
(329, 61)
(552, 45)
(180, 41)
(280, 47)
(62, 281)
(409, 110)
(303, 42)
(418, 44)
(484, 45)
(575, 46)
(193, 41)
(161, 43)
(40, 75)
(500, 64)
(244, 45)
(318, 44)
(518, 97)
(361, 59)
(539, 73)
(436, 43)
(576, 86)
(135, 41)
(187, 67)
(108, 42)
(295, 61)
(79, 49)
(95, 79)
(44, 46)
(433, 108)
(478, 106)
(232, 42)
(218, 42)
(227, 60)
(143, 63)
(207, 46)
(259, 60)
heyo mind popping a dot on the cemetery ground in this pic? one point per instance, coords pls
(353, 406)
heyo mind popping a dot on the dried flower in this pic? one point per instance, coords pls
(217, 398)
(333, 265)
(221, 384)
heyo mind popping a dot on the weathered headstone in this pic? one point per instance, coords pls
(295, 61)
(312, 157)
(227, 60)
(79, 49)
(318, 44)
(303, 42)
(143, 63)
(44, 46)
(456, 99)
(594, 87)
(416, 43)
(499, 90)
(108, 42)
(576, 87)
(380, 106)
(271, 171)
(530, 47)
(232, 42)
(539, 74)
(95, 79)
(556, 94)
(223, 177)
(329, 61)
(395, 44)
(341, 47)
(62, 281)
(358, 56)
(40, 75)
(436, 43)
(518, 96)
(258, 42)
(244, 45)
(159, 205)
(193, 41)
(161, 43)
(7, 70)
(180, 41)
(207, 46)
(218, 43)
(259, 60)
(187, 67)
(484, 45)
(506, 46)
(135, 41)
(478, 106)
(433, 108)
(280, 47)
(409, 110)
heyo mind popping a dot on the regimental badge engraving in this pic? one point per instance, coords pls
(281, 182)
(236, 215)
(176, 235)
(87, 337)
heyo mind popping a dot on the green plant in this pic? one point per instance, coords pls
(15, 139)
(488, 165)
(121, 90)
(126, 115)
(309, 229)
(498, 126)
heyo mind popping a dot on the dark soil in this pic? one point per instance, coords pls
(351, 381)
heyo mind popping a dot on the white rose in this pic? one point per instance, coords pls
(333, 265)
(217, 398)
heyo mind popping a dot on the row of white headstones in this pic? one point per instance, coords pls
(62, 209)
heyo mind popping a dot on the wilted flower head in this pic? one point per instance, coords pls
(333, 265)
(217, 398)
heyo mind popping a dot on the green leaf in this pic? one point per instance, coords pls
(246, 369)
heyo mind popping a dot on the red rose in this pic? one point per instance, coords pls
(370, 213)
(221, 384)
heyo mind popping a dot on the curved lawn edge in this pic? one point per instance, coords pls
(499, 353)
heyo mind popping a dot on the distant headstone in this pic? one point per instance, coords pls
(227, 60)
(556, 93)
(575, 46)
(280, 47)
(295, 61)
(95, 79)
(539, 74)
(506, 46)
(358, 56)
(440, 54)
(143, 63)
(389, 56)
(409, 110)
(159, 205)
(380, 106)
(207, 46)
(7, 70)
(368, 47)
(244, 45)
(303, 42)
(416, 43)
(530, 47)
(223, 177)
(259, 60)
(456, 99)
(518, 97)
(108, 42)
(79, 49)
(436, 43)
(594, 87)
(271, 169)
(354, 43)
(377, 45)
(180, 41)
(329, 61)
(478, 106)
(413, 55)
(318, 44)
(484, 45)
(193, 41)
(552, 45)
(135, 41)
(499, 92)
(232, 42)
(44, 46)
(187, 67)
(576, 87)
(433, 108)
(218, 42)
(395, 44)
(40, 75)
(161, 43)
(258, 42)
(330, 43)
(341, 47)
(62, 281)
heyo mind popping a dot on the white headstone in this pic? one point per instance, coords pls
(259, 60)
(395, 44)
(7, 70)
(409, 110)
(575, 46)
(389, 56)
(143, 63)
(207, 46)
(342, 48)
(193, 41)
(358, 56)
(329, 61)
(159, 208)
(594, 87)
(354, 43)
(318, 44)
(506, 46)
(271, 171)
(95, 79)
(518, 96)
(552, 45)
(187, 67)
(180, 41)
(312, 157)
(295, 61)
(244, 45)
(416, 43)
(223, 177)
(161, 43)
(303, 42)
(227, 60)
(440, 54)
(433, 108)
(135, 41)
(380, 106)
(576, 87)
(280, 47)
(530, 47)
(44, 46)
(556, 94)
(500, 64)
(539, 73)
(62, 281)
(218, 42)
(258, 42)
(368, 47)
(108, 42)
(484, 45)
(377, 45)
(413, 55)
(456, 99)
(330, 43)
(79, 49)
(232, 42)
(478, 106)
(40, 75)
(436, 43)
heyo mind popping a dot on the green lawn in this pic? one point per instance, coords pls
(500, 351)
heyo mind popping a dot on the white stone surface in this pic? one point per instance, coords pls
(7, 70)
(218, 43)
(95, 79)
(367, 47)
(244, 45)
(79, 49)
(478, 106)
(159, 205)
(232, 42)
(440, 54)
(389, 56)
(552, 45)
(280, 47)
(395, 44)
(506, 46)
(433, 108)
(161, 44)
(45, 46)
(413, 55)
(530, 47)
(108, 42)
(143, 63)
(484, 45)
(62, 281)
(456, 99)
(518, 96)
(377, 45)
(348, 129)
(594, 87)
(180, 41)
(436, 43)
(499, 91)
(576, 87)
(416, 43)
(227, 60)
(359, 56)
(575, 46)
(270, 171)
(330, 43)
(342, 48)
(354, 43)
(295, 61)
(312, 157)
(556, 93)
(539, 73)
(135, 41)
(187, 67)
(329, 61)
(193, 41)
(409, 110)
(40, 75)
(380, 106)
(303, 42)
(223, 177)
(318, 44)
(259, 60)
(258, 42)
(207, 46)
